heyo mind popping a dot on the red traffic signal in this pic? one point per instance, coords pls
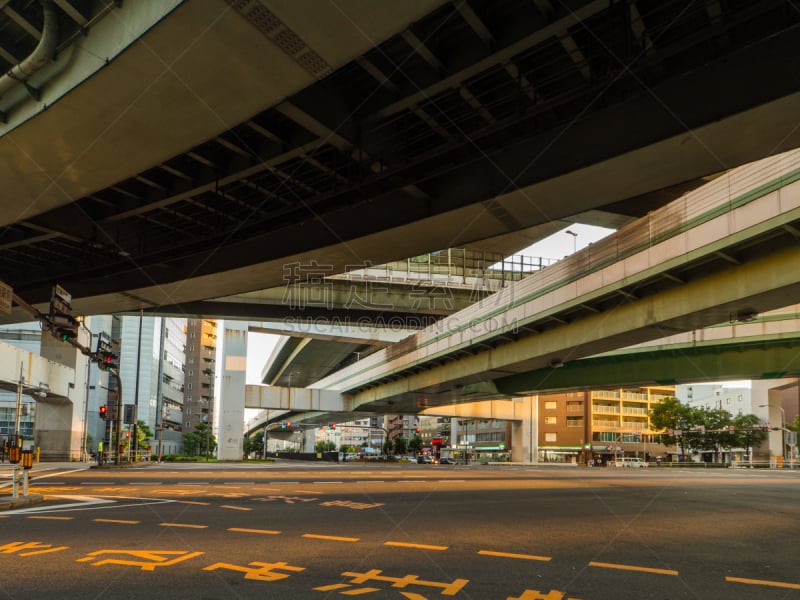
(103, 411)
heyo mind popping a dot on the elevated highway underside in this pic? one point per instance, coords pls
(435, 125)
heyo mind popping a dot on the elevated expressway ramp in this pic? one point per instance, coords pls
(701, 289)
(187, 151)
(724, 253)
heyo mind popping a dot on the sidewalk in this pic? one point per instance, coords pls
(38, 471)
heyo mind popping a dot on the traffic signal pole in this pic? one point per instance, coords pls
(61, 323)
(118, 423)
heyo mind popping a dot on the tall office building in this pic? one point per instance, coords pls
(152, 373)
(201, 355)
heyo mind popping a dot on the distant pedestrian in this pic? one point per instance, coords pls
(100, 453)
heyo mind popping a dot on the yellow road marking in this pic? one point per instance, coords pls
(244, 530)
(191, 502)
(512, 555)
(52, 518)
(632, 568)
(116, 521)
(780, 584)
(234, 507)
(421, 546)
(186, 525)
(335, 538)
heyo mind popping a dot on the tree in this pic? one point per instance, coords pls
(325, 446)
(143, 435)
(748, 433)
(387, 446)
(253, 444)
(671, 415)
(400, 445)
(415, 444)
(704, 429)
(200, 441)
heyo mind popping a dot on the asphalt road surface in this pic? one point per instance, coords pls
(374, 530)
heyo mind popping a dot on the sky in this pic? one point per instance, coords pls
(557, 246)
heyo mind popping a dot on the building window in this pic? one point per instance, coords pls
(551, 420)
(551, 405)
(574, 421)
(550, 437)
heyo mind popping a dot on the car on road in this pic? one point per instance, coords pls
(635, 463)
(446, 461)
(424, 460)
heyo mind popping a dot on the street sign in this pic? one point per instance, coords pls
(6, 298)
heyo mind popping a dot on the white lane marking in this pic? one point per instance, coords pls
(89, 503)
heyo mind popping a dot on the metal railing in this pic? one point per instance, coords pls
(455, 266)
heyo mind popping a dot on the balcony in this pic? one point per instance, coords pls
(635, 425)
(605, 424)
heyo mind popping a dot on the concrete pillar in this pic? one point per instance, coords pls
(232, 391)
(525, 430)
(59, 421)
(770, 398)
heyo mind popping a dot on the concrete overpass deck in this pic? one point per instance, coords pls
(189, 150)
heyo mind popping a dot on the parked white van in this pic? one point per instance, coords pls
(636, 463)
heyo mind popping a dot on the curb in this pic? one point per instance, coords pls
(9, 503)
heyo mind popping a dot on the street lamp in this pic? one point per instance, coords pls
(289, 384)
(783, 426)
(574, 240)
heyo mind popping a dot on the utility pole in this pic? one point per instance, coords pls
(18, 416)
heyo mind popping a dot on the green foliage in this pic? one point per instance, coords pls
(704, 428)
(200, 441)
(253, 444)
(387, 446)
(415, 444)
(143, 435)
(400, 445)
(325, 447)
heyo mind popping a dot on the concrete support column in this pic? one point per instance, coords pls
(525, 430)
(232, 390)
(59, 421)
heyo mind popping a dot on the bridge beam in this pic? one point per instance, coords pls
(295, 399)
(764, 359)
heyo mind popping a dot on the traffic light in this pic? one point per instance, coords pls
(103, 412)
(333, 425)
(767, 427)
(107, 354)
(283, 424)
(62, 324)
(288, 424)
(417, 430)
